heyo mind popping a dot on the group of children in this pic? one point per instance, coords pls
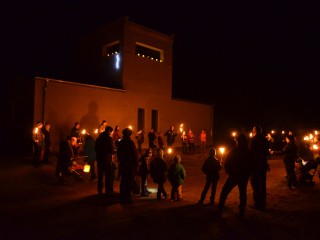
(160, 172)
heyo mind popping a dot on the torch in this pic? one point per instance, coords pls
(222, 149)
(36, 132)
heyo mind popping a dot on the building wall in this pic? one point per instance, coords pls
(143, 75)
(141, 83)
(67, 103)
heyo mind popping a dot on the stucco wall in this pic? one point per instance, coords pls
(67, 103)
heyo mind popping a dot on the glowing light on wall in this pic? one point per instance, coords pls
(117, 62)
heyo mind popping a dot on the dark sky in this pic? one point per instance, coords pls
(257, 62)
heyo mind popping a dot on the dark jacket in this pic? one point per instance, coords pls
(239, 163)
(170, 136)
(75, 132)
(89, 148)
(291, 153)
(47, 140)
(144, 166)
(104, 147)
(152, 139)
(127, 155)
(259, 146)
(159, 170)
(66, 155)
(211, 166)
(140, 138)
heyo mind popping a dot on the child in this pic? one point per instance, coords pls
(159, 173)
(211, 168)
(143, 169)
(176, 176)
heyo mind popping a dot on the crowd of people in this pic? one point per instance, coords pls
(246, 162)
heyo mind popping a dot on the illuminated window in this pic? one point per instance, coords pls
(111, 52)
(111, 49)
(152, 53)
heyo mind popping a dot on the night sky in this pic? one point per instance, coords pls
(257, 62)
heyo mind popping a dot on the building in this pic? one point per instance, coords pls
(129, 67)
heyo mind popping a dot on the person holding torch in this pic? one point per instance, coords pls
(171, 135)
(39, 145)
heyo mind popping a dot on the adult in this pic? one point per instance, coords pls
(116, 138)
(160, 140)
(116, 135)
(259, 146)
(290, 156)
(102, 126)
(211, 168)
(47, 142)
(144, 170)
(140, 139)
(190, 138)
(75, 132)
(127, 156)
(104, 147)
(203, 141)
(152, 139)
(38, 144)
(65, 158)
(89, 149)
(238, 165)
(171, 135)
(184, 142)
(75, 147)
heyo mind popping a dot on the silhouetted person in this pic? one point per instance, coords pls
(190, 138)
(127, 155)
(65, 159)
(144, 170)
(75, 132)
(210, 168)
(259, 145)
(104, 147)
(152, 139)
(47, 142)
(158, 172)
(171, 135)
(290, 156)
(238, 165)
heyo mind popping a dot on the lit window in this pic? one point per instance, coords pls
(111, 49)
(152, 53)
(111, 53)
